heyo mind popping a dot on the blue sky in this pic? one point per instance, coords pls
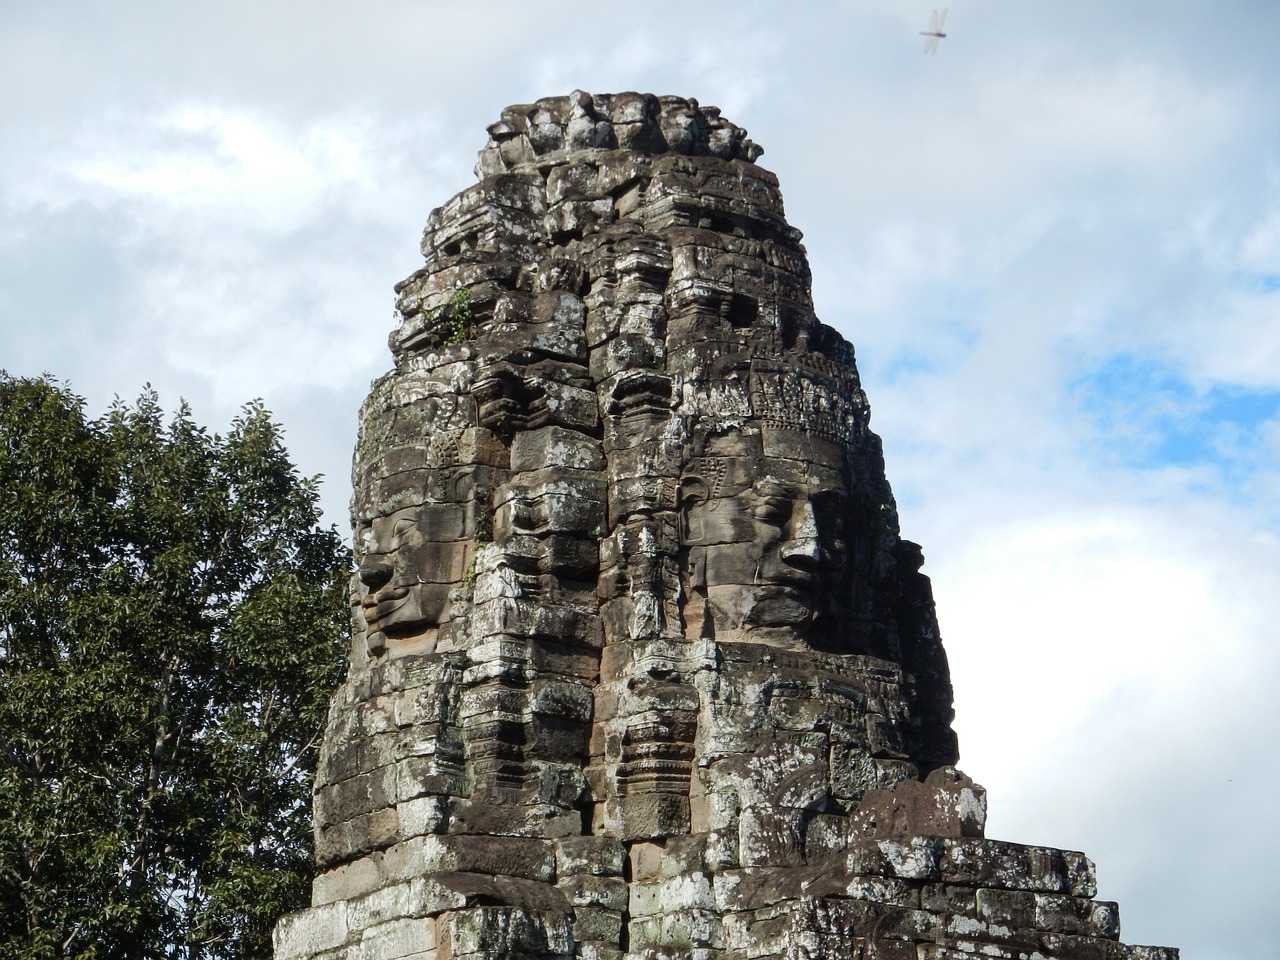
(1152, 415)
(1055, 246)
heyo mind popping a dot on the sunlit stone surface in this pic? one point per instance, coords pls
(640, 664)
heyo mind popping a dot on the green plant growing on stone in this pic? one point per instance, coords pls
(452, 319)
(484, 525)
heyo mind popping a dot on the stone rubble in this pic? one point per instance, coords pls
(641, 667)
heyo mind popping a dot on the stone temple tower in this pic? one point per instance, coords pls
(640, 665)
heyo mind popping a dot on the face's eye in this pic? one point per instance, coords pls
(403, 527)
(773, 510)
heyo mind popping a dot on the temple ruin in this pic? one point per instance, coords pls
(640, 665)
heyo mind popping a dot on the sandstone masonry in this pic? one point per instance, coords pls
(640, 665)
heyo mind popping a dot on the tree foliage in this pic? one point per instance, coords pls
(172, 621)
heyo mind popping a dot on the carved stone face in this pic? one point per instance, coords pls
(766, 547)
(411, 560)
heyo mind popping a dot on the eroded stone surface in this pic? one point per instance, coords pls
(640, 663)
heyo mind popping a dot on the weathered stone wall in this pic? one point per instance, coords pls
(640, 663)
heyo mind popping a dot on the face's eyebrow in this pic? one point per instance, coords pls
(775, 487)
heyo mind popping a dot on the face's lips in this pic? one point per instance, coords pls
(378, 606)
(792, 579)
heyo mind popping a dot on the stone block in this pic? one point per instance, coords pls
(339, 760)
(555, 447)
(822, 927)
(428, 814)
(383, 787)
(949, 898)
(378, 716)
(947, 804)
(769, 838)
(890, 950)
(1066, 947)
(384, 828)
(963, 925)
(916, 858)
(1004, 865)
(1080, 874)
(1013, 908)
(329, 846)
(345, 800)
(687, 855)
(626, 351)
(423, 776)
(346, 882)
(397, 940)
(353, 838)
(1059, 913)
(597, 923)
(396, 902)
(519, 857)
(644, 936)
(1103, 919)
(684, 892)
(1121, 951)
(824, 835)
(558, 698)
(967, 950)
(715, 811)
(645, 862)
(308, 932)
(598, 950)
(424, 709)
(879, 890)
(909, 924)
(686, 936)
(649, 815)
(585, 890)
(476, 930)
(599, 856)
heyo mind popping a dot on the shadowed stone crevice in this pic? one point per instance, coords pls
(640, 665)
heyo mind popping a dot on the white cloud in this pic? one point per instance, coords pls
(1241, 345)
(230, 166)
(1101, 598)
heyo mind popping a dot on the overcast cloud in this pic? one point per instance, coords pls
(1055, 245)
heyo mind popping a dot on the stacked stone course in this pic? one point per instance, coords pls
(641, 667)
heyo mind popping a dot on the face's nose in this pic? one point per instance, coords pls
(803, 548)
(374, 571)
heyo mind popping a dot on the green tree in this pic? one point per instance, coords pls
(172, 622)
